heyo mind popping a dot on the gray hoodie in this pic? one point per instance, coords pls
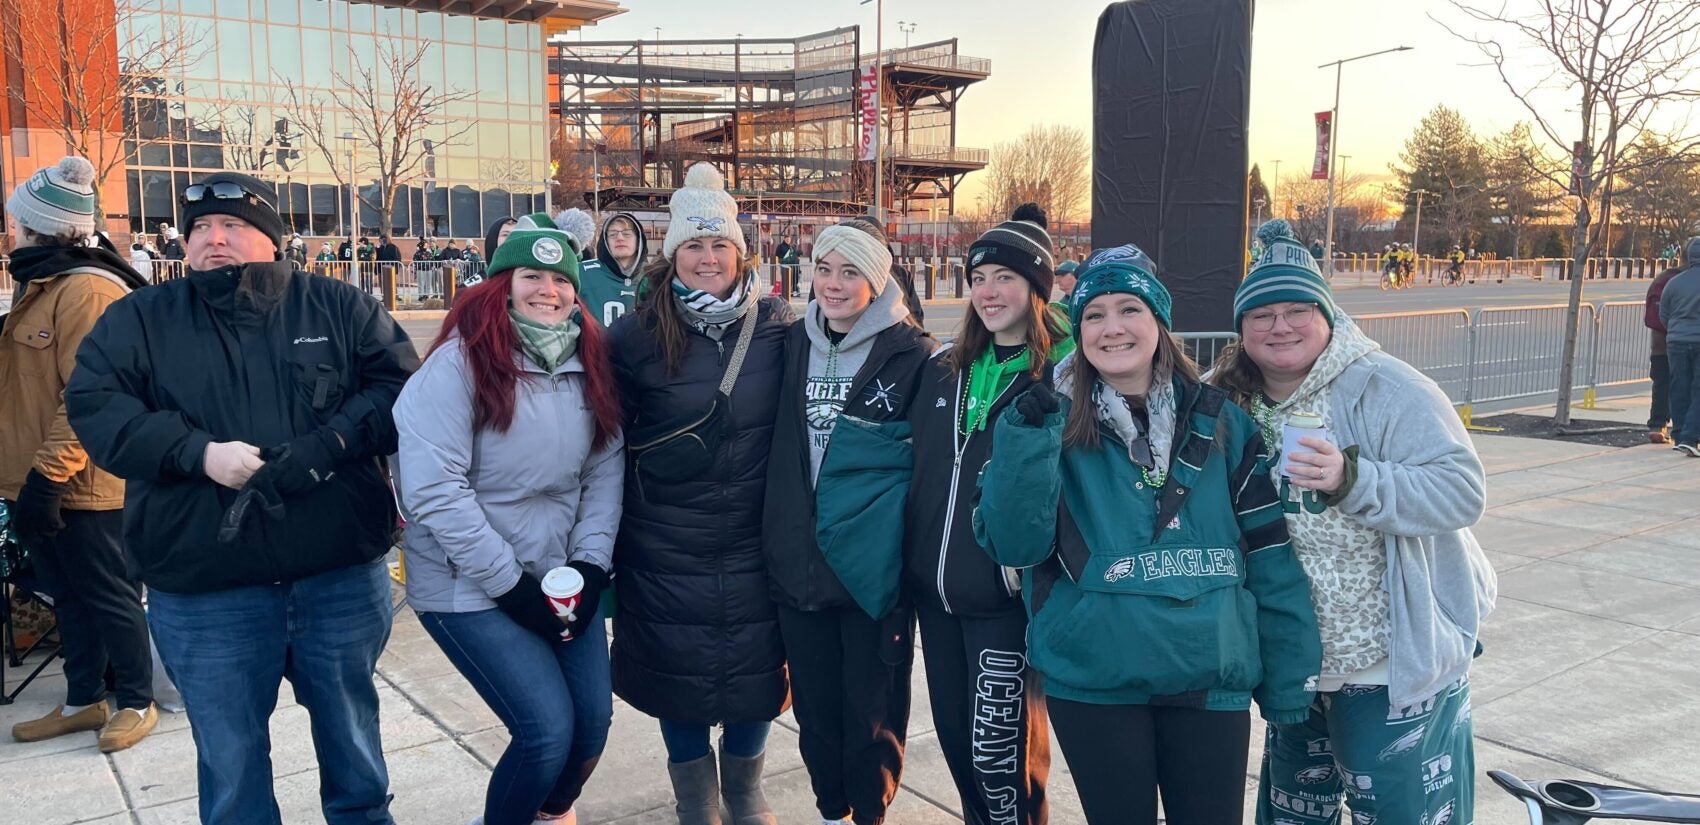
(832, 367)
(483, 506)
(1679, 306)
(1421, 485)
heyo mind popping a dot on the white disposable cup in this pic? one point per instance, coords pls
(564, 588)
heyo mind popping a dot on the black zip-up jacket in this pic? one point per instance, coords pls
(696, 637)
(261, 354)
(798, 574)
(943, 562)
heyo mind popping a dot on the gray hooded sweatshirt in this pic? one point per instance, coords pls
(832, 367)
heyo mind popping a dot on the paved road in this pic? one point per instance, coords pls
(945, 314)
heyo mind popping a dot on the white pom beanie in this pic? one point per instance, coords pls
(702, 209)
(58, 200)
(579, 225)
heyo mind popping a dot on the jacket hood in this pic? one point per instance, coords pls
(1691, 252)
(32, 262)
(606, 256)
(886, 311)
(1345, 347)
(246, 289)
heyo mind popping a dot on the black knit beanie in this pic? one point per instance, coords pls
(258, 210)
(1022, 244)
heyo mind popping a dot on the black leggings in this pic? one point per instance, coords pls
(1121, 754)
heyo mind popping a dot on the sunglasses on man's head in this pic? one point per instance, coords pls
(223, 190)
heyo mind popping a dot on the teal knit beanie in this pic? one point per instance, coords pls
(1284, 272)
(1123, 268)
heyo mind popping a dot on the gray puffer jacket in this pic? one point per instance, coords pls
(480, 507)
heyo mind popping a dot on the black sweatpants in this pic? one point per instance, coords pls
(1658, 369)
(851, 704)
(98, 603)
(989, 709)
(1121, 755)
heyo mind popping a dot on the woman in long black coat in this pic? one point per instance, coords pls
(696, 637)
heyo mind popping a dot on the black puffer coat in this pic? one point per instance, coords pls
(696, 636)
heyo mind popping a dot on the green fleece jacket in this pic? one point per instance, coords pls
(1187, 594)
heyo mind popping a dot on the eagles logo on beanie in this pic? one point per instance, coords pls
(702, 209)
(536, 243)
(1284, 272)
(1022, 244)
(1124, 269)
(58, 200)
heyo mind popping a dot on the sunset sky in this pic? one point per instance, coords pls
(1041, 57)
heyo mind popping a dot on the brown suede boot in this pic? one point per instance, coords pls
(127, 727)
(56, 723)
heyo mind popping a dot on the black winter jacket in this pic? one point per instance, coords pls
(696, 636)
(172, 368)
(799, 575)
(943, 562)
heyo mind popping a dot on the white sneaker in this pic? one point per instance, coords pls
(844, 821)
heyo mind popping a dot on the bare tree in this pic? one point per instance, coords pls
(1049, 165)
(1619, 62)
(398, 121)
(1518, 194)
(76, 95)
(1659, 198)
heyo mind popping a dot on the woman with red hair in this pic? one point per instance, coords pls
(512, 464)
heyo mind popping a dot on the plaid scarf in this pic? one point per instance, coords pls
(710, 315)
(548, 345)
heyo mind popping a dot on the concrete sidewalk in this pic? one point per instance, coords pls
(1592, 671)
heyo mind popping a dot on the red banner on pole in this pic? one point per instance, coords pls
(1324, 130)
(870, 105)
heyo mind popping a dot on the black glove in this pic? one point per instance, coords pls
(36, 513)
(260, 493)
(1036, 403)
(529, 608)
(595, 581)
(302, 463)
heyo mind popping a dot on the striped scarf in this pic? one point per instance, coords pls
(710, 315)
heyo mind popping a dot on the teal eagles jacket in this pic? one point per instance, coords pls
(1186, 595)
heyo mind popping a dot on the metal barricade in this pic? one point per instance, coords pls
(1516, 352)
(1620, 347)
(1204, 347)
(1435, 342)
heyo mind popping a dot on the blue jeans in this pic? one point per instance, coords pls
(688, 741)
(1685, 392)
(229, 650)
(557, 701)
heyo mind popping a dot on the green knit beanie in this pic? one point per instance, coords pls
(1284, 272)
(536, 243)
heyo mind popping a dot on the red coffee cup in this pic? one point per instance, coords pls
(564, 587)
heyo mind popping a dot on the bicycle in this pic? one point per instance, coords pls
(1454, 276)
(1568, 802)
(1392, 279)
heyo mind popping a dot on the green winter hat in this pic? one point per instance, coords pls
(1123, 268)
(535, 242)
(1284, 272)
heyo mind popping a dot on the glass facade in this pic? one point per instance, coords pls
(230, 109)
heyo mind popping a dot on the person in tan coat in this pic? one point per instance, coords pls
(67, 511)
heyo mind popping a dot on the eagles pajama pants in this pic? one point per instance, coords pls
(1393, 766)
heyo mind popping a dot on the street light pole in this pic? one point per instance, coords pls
(1334, 141)
(1417, 232)
(353, 213)
(1274, 193)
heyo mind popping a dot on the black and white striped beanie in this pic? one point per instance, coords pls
(1022, 244)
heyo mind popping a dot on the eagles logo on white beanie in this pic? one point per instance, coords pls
(702, 209)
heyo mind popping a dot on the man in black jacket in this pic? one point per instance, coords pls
(247, 406)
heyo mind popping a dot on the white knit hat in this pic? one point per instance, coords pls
(702, 209)
(58, 200)
(861, 250)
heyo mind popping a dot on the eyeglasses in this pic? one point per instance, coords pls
(223, 190)
(621, 234)
(1296, 317)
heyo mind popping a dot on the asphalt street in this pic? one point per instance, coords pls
(945, 313)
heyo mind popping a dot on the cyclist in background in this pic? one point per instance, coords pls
(1455, 270)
